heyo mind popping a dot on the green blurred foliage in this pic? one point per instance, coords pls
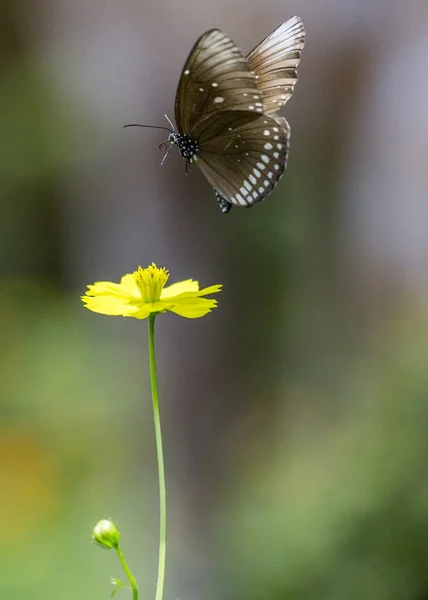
(335, 505)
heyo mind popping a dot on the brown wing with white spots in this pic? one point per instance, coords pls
(215, 78)
(275, 61)
(244, 160)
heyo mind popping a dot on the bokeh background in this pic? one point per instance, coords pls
(296, 415)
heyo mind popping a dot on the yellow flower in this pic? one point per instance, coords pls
(143, 293)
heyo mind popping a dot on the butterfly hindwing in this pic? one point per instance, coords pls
(245, 160)
(215, 78)
(275, 61)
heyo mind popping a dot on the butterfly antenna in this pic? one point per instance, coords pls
(149, 126)
(169, 121)
(162, 147)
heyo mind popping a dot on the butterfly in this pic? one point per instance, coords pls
(226, 112)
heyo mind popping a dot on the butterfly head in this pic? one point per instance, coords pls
(167, 145)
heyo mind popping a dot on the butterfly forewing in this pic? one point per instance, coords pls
(275, 61)
(245, 160)
(215, 78)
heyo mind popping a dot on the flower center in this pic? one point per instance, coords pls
(150, 282)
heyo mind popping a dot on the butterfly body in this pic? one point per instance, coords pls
(188, 146)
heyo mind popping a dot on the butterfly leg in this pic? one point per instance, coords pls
(225, 206)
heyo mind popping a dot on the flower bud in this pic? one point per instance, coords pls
(106, 534)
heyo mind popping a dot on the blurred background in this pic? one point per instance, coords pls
(295, 415)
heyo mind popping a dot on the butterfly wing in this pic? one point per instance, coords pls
(243, 159)
(275, 61)
(215, 78)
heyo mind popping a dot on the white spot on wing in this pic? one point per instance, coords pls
(214, 84)
(279, 146)
(276, 154)
(268, 146)
(252, 179)
(254, 194)
(266, 132)
(265, 158)
(240, 199)
(261, 190)
(218, 99)
(187, 72)
(261, 165)
(266, 183)
(270, 174)
(248, 185)
(257, 172)
(243, 191)
(276, 167)
(251, 107)
(275, 129)
(276, 137)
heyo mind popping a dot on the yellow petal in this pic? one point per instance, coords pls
(179, 288)
(193, 308)
(191, 312)
(144, 310)
(106, 287)
(187, 295)
(198, 293)
(129, 284)
(213, 289)
(109, 305)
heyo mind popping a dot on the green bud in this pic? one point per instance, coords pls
(106, 534)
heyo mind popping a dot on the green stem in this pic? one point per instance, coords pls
(161, 466)
(129, 575)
